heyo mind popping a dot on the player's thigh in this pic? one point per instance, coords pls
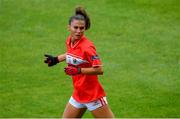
(73, 112)
(103, 112)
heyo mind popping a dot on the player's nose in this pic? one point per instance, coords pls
(78, 30)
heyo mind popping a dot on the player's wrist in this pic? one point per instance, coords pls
(56, 59)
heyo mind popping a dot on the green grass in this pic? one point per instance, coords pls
(137, 40)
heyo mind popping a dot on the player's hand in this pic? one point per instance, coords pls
(50, 60)
(72, 70)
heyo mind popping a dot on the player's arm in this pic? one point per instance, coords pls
(51, 60)
(98, 70)
(73, 70)
(61, 57)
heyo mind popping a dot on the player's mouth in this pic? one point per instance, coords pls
(78, 36)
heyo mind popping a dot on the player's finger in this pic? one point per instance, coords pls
(47, 55)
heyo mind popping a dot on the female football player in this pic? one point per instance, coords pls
(84, 65)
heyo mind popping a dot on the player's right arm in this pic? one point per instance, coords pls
(61, 57)
(51, 60)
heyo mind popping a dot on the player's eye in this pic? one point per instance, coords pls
(75, 27)
(81, 28)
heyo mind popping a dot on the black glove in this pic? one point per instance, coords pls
(50, 60)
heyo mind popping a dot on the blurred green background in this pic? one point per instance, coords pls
(138, 42)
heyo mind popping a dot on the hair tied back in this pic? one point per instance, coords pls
(81, 11)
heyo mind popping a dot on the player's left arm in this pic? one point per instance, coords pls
(94, 59)
(74, 70)
(98, 70)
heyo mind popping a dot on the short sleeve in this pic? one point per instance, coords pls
(93, 57)
(67, 43)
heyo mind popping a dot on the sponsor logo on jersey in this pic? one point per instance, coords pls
(74, 61)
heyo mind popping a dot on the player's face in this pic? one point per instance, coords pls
(77, 28)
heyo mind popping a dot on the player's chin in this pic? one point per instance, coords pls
(77, 37)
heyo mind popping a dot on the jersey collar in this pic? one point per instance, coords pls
(76, 44)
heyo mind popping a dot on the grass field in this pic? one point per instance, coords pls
(137, 40)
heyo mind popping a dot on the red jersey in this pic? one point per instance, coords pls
(83, 54)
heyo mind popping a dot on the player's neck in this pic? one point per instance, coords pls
(74, 41)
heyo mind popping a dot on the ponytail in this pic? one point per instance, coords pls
(81, 14)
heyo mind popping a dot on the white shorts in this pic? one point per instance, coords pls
(91, 105)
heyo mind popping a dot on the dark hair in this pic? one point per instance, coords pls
(80, 14)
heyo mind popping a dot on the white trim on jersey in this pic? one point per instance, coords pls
(74, 60)
(74, 55)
